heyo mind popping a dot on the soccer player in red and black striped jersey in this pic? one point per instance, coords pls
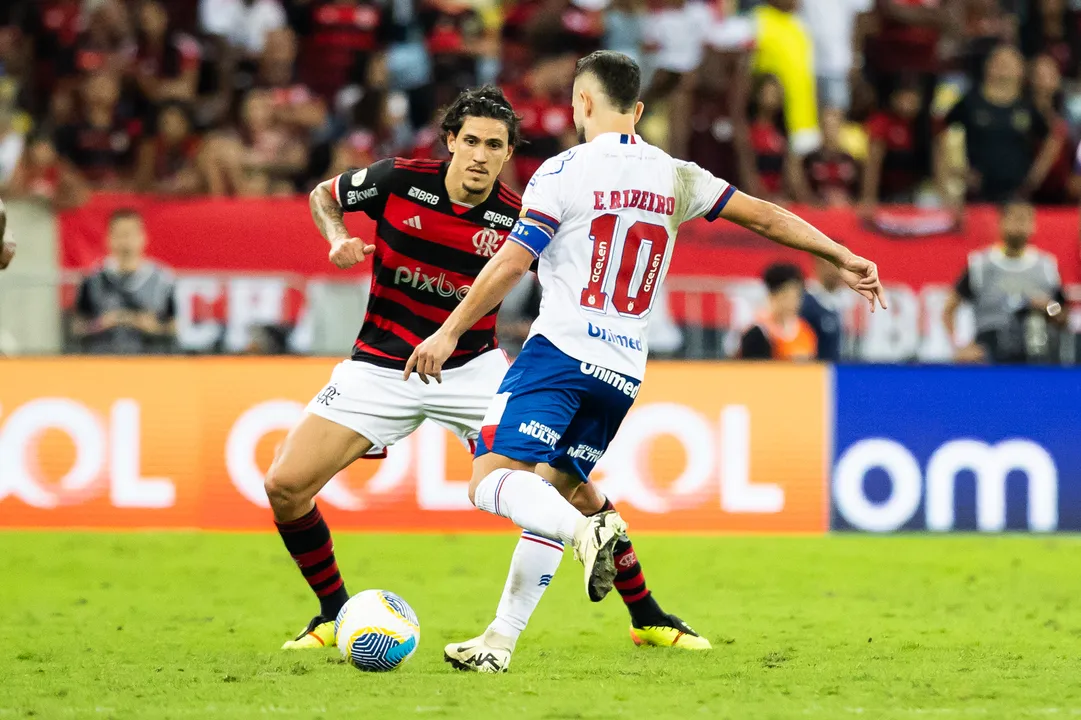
(437, 224)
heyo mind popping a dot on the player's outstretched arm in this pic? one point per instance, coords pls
(499, 276)
(327, 212)
(783, 227)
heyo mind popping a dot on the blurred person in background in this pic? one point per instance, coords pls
(457, 39)
(833, 174)
(540, 99)
(821, 309)
(784, 49)
(127, 305)
(1008, 145)
(167, 61)
(173, 161)
(985, 25)
(263, 157)
(44, 176)
(100, 142)
(893, 171)
(52, 30)
(342, 45)
(1062, 184)
(832, 25)
(243, 24)
(778, 171)
(1015, 292)
(1053, 27)
(779, 332)
(7, 247)
(108, 42)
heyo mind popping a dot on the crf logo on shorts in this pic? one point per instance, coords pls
(328, 394)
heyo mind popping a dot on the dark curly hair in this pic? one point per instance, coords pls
(486, 102)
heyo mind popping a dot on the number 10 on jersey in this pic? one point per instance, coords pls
(603, 232)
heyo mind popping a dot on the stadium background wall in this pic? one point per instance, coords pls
(731, 448)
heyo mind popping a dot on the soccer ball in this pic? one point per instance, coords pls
(377, 631)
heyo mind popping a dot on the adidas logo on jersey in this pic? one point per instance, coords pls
(625, 385)
(413, 222)
(438, 284)
(540, 431)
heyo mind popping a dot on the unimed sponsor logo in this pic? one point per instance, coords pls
(989, 463)
(627, 386)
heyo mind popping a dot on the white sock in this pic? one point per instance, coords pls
(531, 502)
(532, 567)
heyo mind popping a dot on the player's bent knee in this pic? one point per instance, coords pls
(286, 491)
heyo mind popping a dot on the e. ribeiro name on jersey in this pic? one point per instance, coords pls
(609, 210)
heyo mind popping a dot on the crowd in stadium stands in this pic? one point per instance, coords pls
(835, 102)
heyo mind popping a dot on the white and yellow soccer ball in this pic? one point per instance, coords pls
(377, 631)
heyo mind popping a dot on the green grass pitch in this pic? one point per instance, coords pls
(188, 625)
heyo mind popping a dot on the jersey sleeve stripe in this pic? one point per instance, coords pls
(336, 190)
(516, 241)
(721, 202)
(547, 220)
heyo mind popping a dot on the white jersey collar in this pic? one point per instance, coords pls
(614, 138)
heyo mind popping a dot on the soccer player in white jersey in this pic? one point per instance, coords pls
(601, 219)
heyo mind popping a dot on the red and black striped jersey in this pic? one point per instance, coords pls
(429, 250)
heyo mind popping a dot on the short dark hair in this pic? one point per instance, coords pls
(486, 102)
(778, 275)
(124, 214)
(619, 76)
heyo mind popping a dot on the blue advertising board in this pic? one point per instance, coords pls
(956, 448)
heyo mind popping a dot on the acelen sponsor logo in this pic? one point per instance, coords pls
(989, 464)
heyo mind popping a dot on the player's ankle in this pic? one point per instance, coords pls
(501, 635)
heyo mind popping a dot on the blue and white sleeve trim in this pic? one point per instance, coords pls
(532, 236)
(721, 202)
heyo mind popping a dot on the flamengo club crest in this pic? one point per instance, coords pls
(486, 242)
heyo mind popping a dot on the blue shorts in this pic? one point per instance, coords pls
(554, 409)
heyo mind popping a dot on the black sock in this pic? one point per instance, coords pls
(308, 540)
(631, 583)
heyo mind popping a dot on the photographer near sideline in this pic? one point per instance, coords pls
(1016, 294)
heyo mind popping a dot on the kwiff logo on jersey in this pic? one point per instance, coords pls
(423, 195)
(540, 431)
(355, 196)
(437, 284)
(608, 336)
(625, 385)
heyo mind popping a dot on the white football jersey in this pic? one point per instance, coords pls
(614, 205)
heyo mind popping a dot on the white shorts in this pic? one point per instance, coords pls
(376, 403)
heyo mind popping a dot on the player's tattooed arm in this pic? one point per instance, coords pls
(786, 228)
(345, 250)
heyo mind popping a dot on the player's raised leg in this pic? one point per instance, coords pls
(313, 452)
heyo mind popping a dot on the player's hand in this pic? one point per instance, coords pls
(112, 318)
(428, 357)
(7, 252)
(347, 252)
(861, 275)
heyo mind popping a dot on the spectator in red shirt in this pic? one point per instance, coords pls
(166, 62)
(101, 142)
(1061, 184)
(295, 105)
(834, 175)
(778, 172)
(265, 157)
(893, 170)
(171, 162)
(535, 29)
(343, 40)
(455, 37)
